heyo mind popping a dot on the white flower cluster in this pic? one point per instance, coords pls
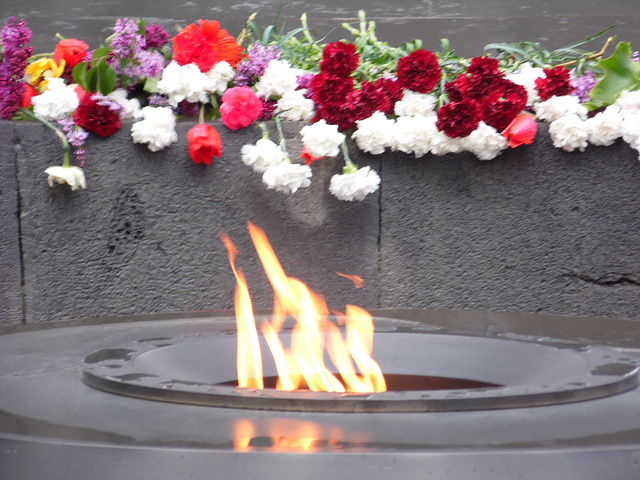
(157, 128)
(570, 129)
(322, 139)
(354, 186)
(57, 102)
(278, 78)
(414, 131)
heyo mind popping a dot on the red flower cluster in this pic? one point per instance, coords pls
(497, 100)
(419, 71)
(98, 119)
(555, 83)
(71, 50)
(336, 100)
(204, 143)
(205, 45)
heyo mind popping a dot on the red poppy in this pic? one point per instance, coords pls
(29, 93)
(98, 119)
(205, 45)
(71, 50)
(240, 106)
(204, 143)
(522, 129)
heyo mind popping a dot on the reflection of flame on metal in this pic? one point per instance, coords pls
(281, 435)
(357, 281)
(302, 366)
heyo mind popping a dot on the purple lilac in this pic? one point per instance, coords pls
(125, 42)
(304, 83)
(146, 64)
(110, 104)
(583, 85)
(635, 57)
(76, 136)
(252, 67)
(15, 37)
(157, 100)
(156, 35)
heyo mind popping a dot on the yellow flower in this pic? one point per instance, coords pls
(40, 71)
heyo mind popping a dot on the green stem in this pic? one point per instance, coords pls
(283, 142)
(61, 135)
(349, 166)
(263, 127)
(305, 26)
(201, 116)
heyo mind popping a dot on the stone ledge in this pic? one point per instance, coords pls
(535, 230)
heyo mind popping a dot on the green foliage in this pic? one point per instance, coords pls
(620, 73)
(96, 75)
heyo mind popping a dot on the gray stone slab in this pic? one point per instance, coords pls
(535, 230)
(10, 256)
(144, 235)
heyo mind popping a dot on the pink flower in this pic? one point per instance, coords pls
(240, 106)
(522, 129)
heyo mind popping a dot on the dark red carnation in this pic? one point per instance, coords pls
(483, 66)
(392, 90)
(98, 119)
(500, 112)
(458, 119)
(328, 89)
(556, 83)
(419, 71)
(268, 107)
(339, 59)
(483, 89)
(453, 88)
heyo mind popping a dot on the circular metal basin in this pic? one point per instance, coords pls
(477, 374)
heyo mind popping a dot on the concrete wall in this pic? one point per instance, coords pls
(536, 230)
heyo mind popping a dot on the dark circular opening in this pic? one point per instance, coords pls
(399, 382)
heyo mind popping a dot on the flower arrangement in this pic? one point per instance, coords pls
(401, 98)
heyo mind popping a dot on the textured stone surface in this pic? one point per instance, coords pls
(535, 230)
(10, 265)
(144, 235)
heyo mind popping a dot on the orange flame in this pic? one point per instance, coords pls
(357, 281)
(302, 365)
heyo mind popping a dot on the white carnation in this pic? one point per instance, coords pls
(72, 176)
(560, 106)
(322, 139)
(414, 134)
(293, 105)
(219, 76)
(484, 142)
(414, 104)
(606, 127)
(354, 186)
(130, 106)
(631, 130)
(375, 133)
(526, 76)
(279, 77)
(569, 133)
(442, 144)
(287, 177)
(262, 155)
(183, 82)
(629, 102)
(157, 129)
(57, 102)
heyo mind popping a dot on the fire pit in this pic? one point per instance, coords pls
(54, 426)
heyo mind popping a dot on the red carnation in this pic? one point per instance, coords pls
(330, 89)
(240, 106)
(392, 90)
(204, 143)
(98, 119)
(205, 45)
(458, 119)
(419, 71)
(500, 112)
(339, 59)
(71, 50)
(556, 83)
(483, 66)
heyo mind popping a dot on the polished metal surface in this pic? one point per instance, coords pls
(55, 427)
(195, 368)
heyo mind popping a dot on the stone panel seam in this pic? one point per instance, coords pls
(16, 147)
(605, 280)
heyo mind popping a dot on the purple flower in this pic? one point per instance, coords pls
(252, 67)
(145, 64)
(156, 35)
(14, 37)
(126, 42)
(157, 100)
(304, 83)
(583, 85)
(76, 136)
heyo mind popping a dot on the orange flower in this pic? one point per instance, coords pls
(205, 45)
(522, 129)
